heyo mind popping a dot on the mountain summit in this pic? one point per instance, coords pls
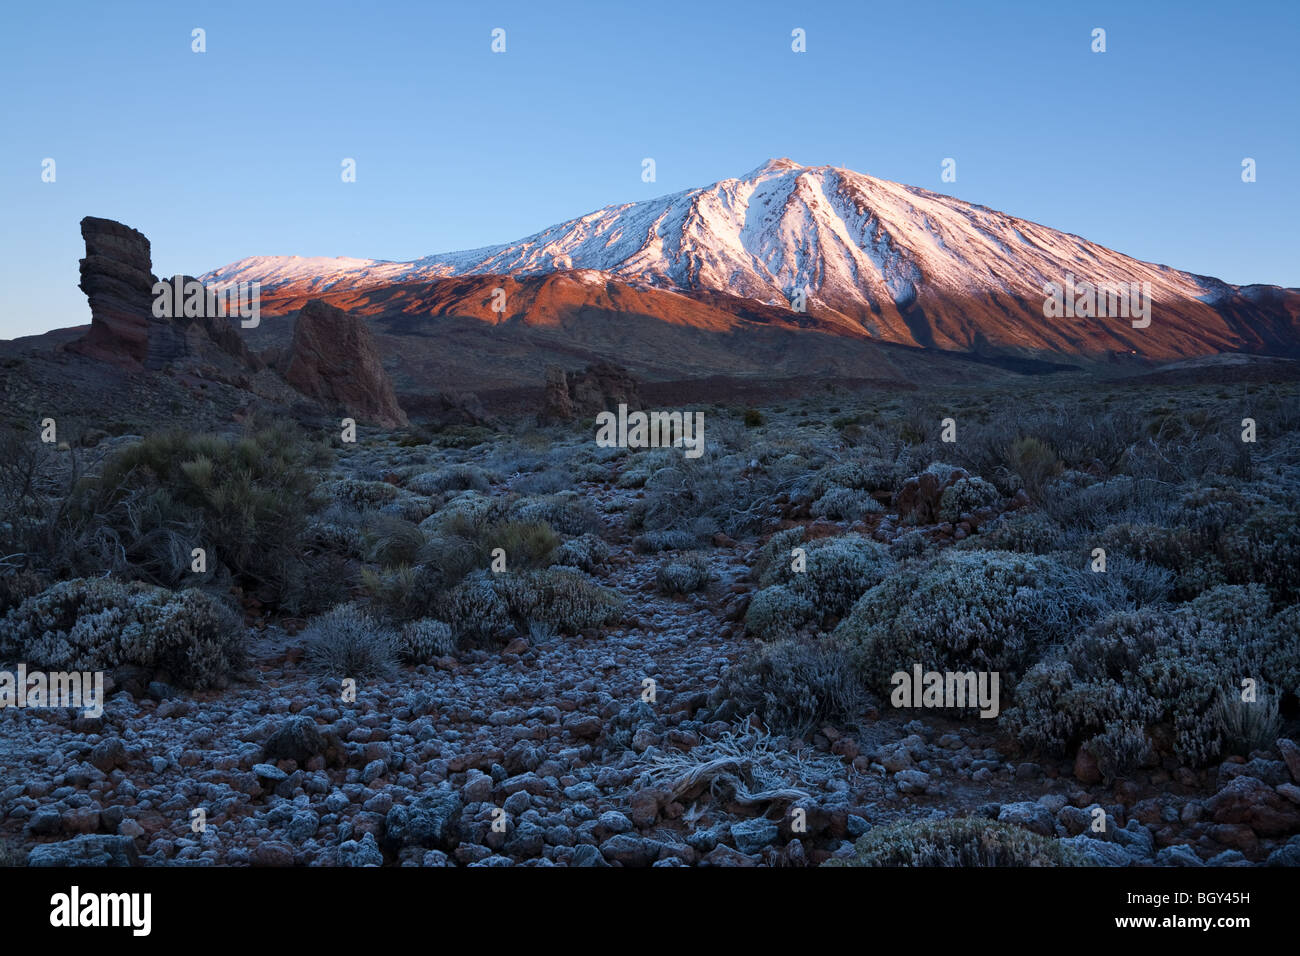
(865, 257)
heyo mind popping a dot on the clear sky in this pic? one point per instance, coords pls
(237, 151)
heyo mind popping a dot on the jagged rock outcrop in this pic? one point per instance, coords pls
(117, 277)
(333, 360)
(172, 340)
(557, 406)
(599, 387)
(449, 408)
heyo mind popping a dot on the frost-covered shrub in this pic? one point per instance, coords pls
(100, 624)
(1265, 549)
(586, 553)
(1081, 501)
(1247, 725)
(466, 510)
(644, 464)
(348, 642)
(459, 477)
(969, 610)
(777, 612)
(1127, 582)
(682, 574)
(1029, 532)
(796, 686)
(409, 508)
(1120, 747)
(837, 571)
(957, 841)
(845, 504)
(964, 496)
(567, 513)
(362, 495)
(909, 545)
(391, 540)
(1159, 666)
(653, 542)
(337, 530)
(942, 471)
(423, 640)
(546, 482)
(474, 608)
(777, 551)
(869, 475)
(706, 495)
(562, 597)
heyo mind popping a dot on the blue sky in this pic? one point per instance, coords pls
(237, 151)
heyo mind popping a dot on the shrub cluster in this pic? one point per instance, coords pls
(958, 841)
(100, 624)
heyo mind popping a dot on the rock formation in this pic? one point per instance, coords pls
(117, 279)
(557, 406)
(599, 387)
(448, 408)
(174, 339)
(333, 360)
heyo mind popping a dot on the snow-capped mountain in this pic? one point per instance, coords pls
(872, 258)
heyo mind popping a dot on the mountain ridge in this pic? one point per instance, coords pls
(875, 259)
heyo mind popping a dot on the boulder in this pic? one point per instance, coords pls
(1251, 801)
(557, 406)
(88, 850)
(333, 360)
(297, 739)
(431, 821)
(599, 387)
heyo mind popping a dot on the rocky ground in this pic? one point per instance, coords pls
(553, 754)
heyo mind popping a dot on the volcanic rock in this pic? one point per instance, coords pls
(117, 279)
(334, 361)
(599, 387)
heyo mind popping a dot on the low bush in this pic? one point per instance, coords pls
(968, 610)
(682, 574)
(586, 553)
(475, 609)
(958, 841)
(777, 612)
(423, 640)
(837, 570)
(1162, 667)
(845, 504)
(567, 513)
(796, 686)
(245, 501)
(966, 495)
(653, 542)
(346, 642)
(459, 477)
(99, 624)
(564, 598)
